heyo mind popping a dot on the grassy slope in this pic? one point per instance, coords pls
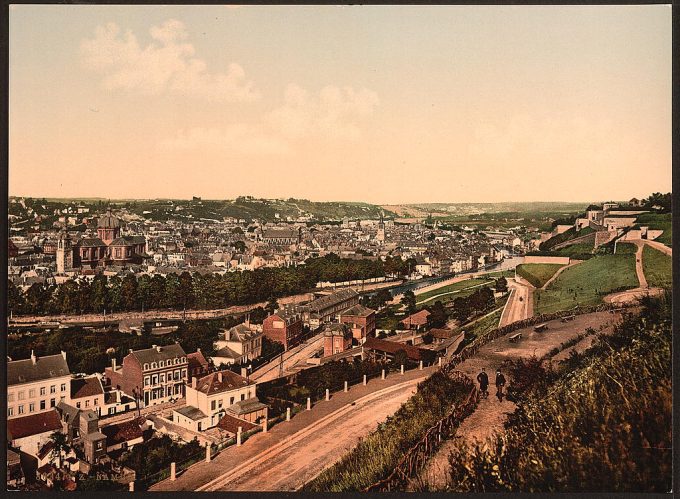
(658, 268)
(626, 248)
(538, 273)
(457, 286)
(575, 250)
(603, 425)
(587, 283)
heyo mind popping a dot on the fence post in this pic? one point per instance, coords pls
(420, 366)
(402, 369)
(238, 436)
(287, 413)
(346, 387)
(265, 424)
(309, 403)
(364, 379)
(328, 394)
(207, 452)
(172, 472)
(131, 486)
(440, 361)
(383, 374)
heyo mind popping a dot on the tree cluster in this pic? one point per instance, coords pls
(479, 301)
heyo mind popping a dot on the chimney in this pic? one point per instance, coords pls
(193, 382)
(219, 376)
(247, 322)
(63, 354)
(113, 363)
(34, 359)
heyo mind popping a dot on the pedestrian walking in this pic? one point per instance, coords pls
(483, 380)
(500, 383)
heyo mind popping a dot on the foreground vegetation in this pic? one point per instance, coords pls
(600, 422)
(538, 273)
(658, 268)
(587, 283)
(376, 455)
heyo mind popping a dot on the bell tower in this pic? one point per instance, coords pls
(64, 253)
(380, 236)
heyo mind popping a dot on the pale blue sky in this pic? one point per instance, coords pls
(421, 103)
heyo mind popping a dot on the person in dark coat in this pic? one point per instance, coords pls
(483, 380)
(500, 383)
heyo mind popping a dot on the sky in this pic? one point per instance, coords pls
(382, 104)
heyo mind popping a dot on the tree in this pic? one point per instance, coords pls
(60, 445)
(501, 284)
(240, 246)
(272, 305)
(409, 301)
(438, 316)
(400, 357)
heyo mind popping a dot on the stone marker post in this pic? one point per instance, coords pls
(328, 394)
(287, 413)
(420, 366)
(402, 369)
(309, 403)
(238, 436)
(383, 374)
(207, 452)
(172, 472)
(364, 379)
(346, 386)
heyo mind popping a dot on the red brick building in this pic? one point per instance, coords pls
(360, 319)
(416, 321)
(336, 339)
(154, 375)
(285, 326)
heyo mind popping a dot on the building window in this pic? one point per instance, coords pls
(43, 390)
(162, 378)
(154, 379)
(21, 395)
(243, 396)
(231, 400)
(87, 403)
(53, 402)
(154, 365)
(42, 405)
(184, 373)
(212, 405)
(99, 445)
(219, 403)
(21, 409)
(146, 367)
(31, 407)
(63, 387)
(10, 397)
(146, 381)
(161, 364)
(31, 393)
(53, 389)
(177, 375)
(96, 401)
(77, 404)
(10, 412)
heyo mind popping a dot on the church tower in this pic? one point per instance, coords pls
(64, 253)
(380, 236)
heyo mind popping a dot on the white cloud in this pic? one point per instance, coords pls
(335, 112)
(167, 64)
(236, 138)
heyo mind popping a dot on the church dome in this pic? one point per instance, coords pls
(108, 221)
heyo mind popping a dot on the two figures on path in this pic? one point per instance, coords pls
(483, 380)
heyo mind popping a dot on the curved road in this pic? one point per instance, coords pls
(520, 305)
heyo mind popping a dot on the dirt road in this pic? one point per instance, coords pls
(301, 448)
(520, 304)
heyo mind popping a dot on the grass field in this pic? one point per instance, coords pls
(456, 287)
(657, 221)
(538, 273)
(626, 248)
(575, 250)
(587, 283)
(658, 268)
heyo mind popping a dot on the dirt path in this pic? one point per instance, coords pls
(644, 289)
(491, 414)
